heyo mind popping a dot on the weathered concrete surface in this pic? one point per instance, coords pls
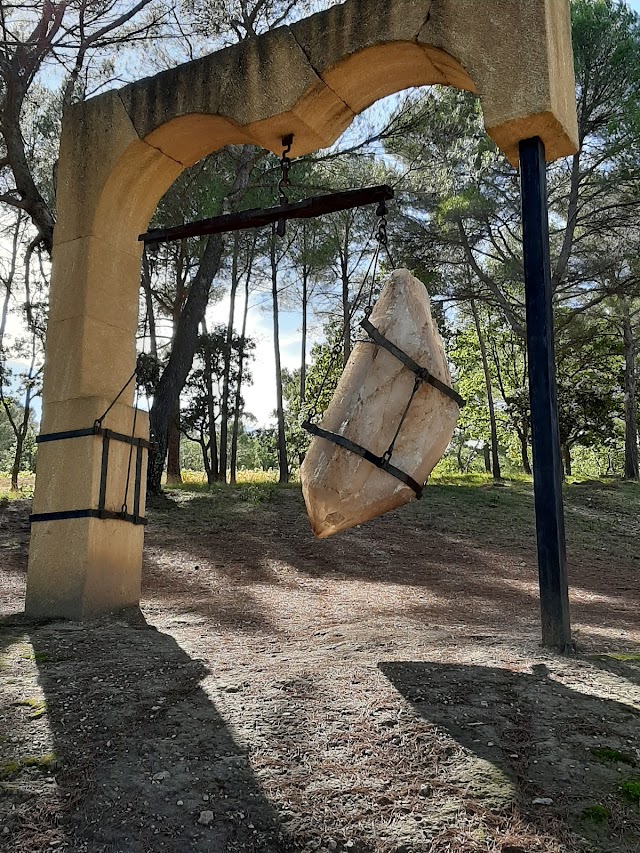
(122, 150)
(313, 77)
(519, 55)
(340, 488)
(81, 567)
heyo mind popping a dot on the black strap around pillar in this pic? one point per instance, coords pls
(107, 436)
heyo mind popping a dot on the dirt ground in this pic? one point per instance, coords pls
(380, 692)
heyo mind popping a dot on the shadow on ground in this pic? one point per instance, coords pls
(560, 754)
(476, 571)
(142, 754)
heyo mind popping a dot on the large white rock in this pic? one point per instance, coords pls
(342, 489)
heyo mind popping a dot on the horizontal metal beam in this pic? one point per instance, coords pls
(310, 208)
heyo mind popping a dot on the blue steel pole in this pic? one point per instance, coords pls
(547, 462)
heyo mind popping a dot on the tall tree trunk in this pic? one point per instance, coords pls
(174, 474)
(31, 199)
(175, 373)
(8, 279)
(495, 459)
(486, 450)
(212, 467)
(346, 320)
(283, 462)
(630, 396)
(346, 306)
(206, 461)
(186, 341)
(303, 353)
(524, 450)
(17, 462)
(148, 299)
(224, 408)
(238, 399)
(20, 430)
(214, 464)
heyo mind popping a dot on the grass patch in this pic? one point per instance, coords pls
(596, 813)
(11, 767)
(258, 493)
(38, 707)
(47, 761)
(28, 653)
(600, 517)
(197, 480)
(630, 790)
(633, 657)
(606, 753)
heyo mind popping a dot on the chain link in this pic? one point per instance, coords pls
(285, 168)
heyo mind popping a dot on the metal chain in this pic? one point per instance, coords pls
(285, 182)
(382, 236)
(285, 168)
(370, 275)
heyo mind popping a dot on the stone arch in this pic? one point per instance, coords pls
(122, 150)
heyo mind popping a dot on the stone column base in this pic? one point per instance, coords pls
(80, 568)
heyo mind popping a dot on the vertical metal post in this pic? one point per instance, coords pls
(547, 463)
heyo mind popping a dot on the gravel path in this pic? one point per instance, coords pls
(380, 692)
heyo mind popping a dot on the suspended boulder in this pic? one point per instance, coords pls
(387, 426)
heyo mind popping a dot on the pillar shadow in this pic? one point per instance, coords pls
(141, 751)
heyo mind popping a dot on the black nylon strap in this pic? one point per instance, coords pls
(379, 461)
(107, 436)
(420, 372)
(86, 513)
(94, 430)
(62, 436)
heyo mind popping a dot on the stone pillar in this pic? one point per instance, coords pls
(109, 182)
(79, 567)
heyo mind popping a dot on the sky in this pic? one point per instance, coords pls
(260, 396)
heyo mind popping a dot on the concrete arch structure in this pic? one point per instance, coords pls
(122, 150)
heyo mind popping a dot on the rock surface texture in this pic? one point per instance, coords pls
(340, 488)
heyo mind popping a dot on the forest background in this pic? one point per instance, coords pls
(240, 338)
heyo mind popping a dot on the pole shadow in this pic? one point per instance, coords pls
(531, 742)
